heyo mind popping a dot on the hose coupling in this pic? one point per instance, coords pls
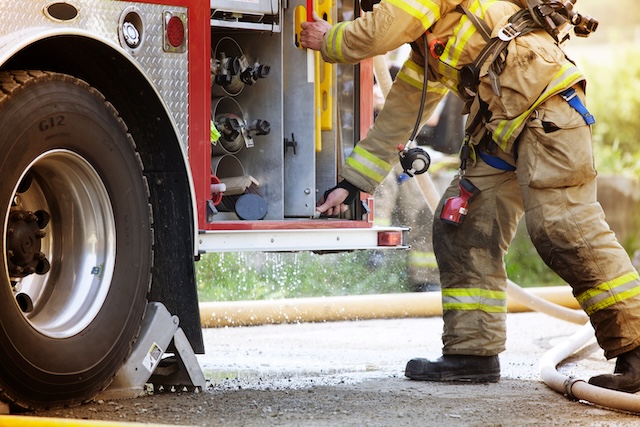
(568, 386)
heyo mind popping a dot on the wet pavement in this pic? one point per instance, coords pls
(350, 373)
(300, 354)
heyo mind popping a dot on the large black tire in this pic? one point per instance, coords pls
(78, 240)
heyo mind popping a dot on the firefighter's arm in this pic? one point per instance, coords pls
(374, 156)
(386, 28)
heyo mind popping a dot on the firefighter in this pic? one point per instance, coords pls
(527, 151)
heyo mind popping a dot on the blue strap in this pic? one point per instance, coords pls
(496, 162)
(571, 96)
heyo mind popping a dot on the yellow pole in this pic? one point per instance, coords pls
(24, 421)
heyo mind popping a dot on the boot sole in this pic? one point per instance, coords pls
(483, 377)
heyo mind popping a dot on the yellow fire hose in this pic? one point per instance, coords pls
(25, 421)
(557, 301)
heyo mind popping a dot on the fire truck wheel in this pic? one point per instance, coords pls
(77, 250)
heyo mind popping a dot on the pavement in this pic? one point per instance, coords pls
(350, 373)
(291, 355)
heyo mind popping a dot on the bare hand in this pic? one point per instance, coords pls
(313, 32)
(334, 205)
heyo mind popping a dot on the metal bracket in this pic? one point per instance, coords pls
(180, 371)
(290, 144)
(508, 32)
(150, 361)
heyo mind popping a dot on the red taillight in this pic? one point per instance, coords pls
(175, 31)
(390, 238)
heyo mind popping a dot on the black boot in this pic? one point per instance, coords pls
(626, 376)
(455, 367)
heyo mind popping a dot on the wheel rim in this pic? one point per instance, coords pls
(60, 243)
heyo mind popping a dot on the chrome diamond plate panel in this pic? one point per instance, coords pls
(100, 18)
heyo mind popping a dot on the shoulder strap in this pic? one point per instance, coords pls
(478, 22)
(495, 51)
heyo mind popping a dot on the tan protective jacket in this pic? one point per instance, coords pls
(536, 69)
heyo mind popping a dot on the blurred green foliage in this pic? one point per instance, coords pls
(255, 276)
(525, 267)
(613, 90)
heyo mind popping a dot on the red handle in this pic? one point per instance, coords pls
(309, 10)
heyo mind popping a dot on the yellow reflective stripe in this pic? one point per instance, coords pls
(566, 77)
(606, 286)
(364, 170)
(411, 73)
(474, 292)
(383, 222)
(608, 293)
(452, 51)
(474, 299)
(424, 254)
(334, 42)
(368, 164)
(373, 159)
(451, 84)
(461, 35)
(440, 90)
(474, 307)
(608, 302)
(426, 11)
(422, 259)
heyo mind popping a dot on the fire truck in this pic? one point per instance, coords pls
(137, 136)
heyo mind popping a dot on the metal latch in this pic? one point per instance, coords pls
(508, 32)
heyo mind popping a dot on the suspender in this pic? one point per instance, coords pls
(495, 51)
(571, 96)
(496, 162)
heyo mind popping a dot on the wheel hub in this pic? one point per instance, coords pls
(24, 236)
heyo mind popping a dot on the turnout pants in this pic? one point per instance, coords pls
(554, 188)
